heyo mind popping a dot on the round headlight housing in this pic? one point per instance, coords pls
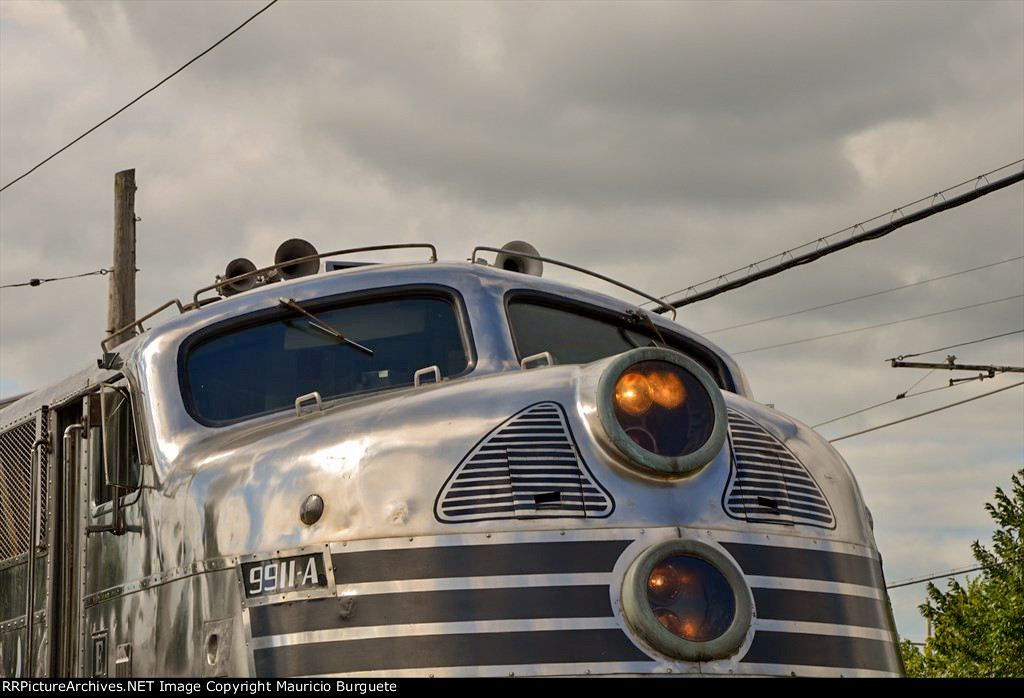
(687, 600)
(662, 410)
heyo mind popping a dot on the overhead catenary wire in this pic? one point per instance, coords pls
(949, 573)
(872, 327)
(954, 346)
(829, 244)
(867, 295)
(901, 396)
(39, 282)
(154, 87)
(922, 414)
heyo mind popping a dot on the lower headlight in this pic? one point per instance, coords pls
(662, 411)
(687, 600)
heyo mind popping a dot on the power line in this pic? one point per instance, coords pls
(872, 327)
(831, 243)
(193, 60)
(954, 346)
(867, 295)
(901, 396)
(38, 282)
(950, 573)
(922, 414)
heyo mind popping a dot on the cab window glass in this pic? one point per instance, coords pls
(571, 337)
(261, 368)
(578, 335)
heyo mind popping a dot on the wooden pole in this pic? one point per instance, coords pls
(121, 306)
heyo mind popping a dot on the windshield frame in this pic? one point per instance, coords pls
(319, 305)
(687, 346)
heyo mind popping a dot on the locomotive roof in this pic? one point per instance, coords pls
(461, 276)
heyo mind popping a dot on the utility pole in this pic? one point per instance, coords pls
(121, 306)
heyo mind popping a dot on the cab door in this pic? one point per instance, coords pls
(113, 542)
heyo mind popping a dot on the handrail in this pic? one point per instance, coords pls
(138, 323)
(196, 303)
(310, 258)
(663, 304)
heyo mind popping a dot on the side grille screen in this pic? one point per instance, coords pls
(15, 486)
(769, 485)
(527, 468)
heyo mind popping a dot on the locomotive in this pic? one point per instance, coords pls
(450, 469)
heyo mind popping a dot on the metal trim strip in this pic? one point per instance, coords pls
(471, 649)
(797, 542)
(627, 535)
(154, 580)
(19, 559)
(777, 561)
(774, 647)
(820, 607)
(504, 626)
(814, 585)
(38, 618)
(828, 629)
(564, 669)
(399, 586)
(564, 556)
(816, 672)
(14, 624)
(432, 607)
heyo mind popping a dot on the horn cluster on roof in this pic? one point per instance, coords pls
(296, 257)
(239, 275)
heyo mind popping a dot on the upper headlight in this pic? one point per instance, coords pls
(662, 410)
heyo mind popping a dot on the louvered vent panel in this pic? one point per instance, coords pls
(527, 468)
(15, 488)
(769, 485)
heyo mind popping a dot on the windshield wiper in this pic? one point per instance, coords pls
(319, 324)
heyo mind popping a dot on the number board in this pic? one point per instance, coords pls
(281, 575)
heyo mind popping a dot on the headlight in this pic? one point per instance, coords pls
(662, 410)
(687, 600)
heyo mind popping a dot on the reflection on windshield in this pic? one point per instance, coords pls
(572, 338)
(319, 324)
(576, 335)
(262, 368)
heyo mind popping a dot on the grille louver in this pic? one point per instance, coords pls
(769, 485)
(527, 468)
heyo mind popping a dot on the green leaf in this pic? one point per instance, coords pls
(978, 629)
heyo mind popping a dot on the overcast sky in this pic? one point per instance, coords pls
(660, 143)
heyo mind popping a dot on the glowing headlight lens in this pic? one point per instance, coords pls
(663, 408)
(690, 598)
(633, 393)
(667, 389)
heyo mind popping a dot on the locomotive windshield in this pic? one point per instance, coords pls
(574, 334)
(261, 367)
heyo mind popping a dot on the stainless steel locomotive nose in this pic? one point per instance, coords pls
(438, 469)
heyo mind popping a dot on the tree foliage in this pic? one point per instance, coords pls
(978, 629)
